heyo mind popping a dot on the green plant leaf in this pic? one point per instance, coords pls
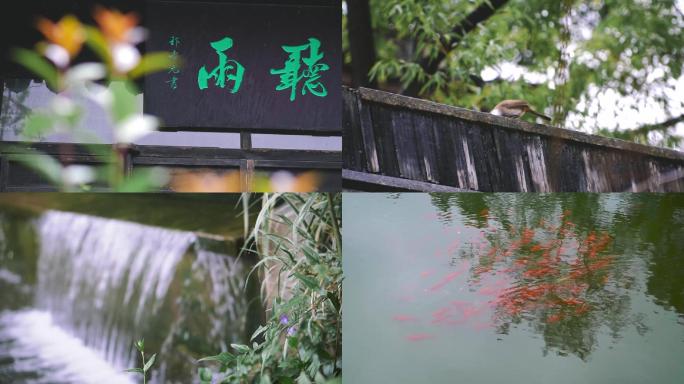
(153, 62)
(241, 348)
(223, 358)
(308, 281)
(258, 331)
(205, 375)
(38, 65)
(45, 165)
(149, 363)
(303, 378)
(135, 370)
(265, 379)
(97, 42)
(37, 124)
(125, 103)
(333, 299)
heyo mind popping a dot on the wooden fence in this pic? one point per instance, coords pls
(394, 142)
(14, 176)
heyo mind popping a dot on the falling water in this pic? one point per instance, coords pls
(102, 283)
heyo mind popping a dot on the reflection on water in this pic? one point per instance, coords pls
(514, 287)
(77, 290)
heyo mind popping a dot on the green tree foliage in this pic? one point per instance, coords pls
(438, 49)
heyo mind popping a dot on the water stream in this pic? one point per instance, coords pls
(94, 285)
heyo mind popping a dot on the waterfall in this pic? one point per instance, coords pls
(107, 282)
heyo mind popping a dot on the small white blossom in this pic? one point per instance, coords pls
(125, 57)
(57, 54)
(77, 175)
(135, 127)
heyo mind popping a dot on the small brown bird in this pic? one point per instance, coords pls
(516, 108)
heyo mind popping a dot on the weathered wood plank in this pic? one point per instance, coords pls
(352, 142)
(381, 119)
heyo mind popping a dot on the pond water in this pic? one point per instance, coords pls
(522, 288)
(77, 290)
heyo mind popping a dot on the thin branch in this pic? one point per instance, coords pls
(480, 14)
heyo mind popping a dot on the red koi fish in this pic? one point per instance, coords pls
(440, 314)
(448, 278)
(419, 336)
(407, 298)
(527, 236)
(404, 318)
(427, 273)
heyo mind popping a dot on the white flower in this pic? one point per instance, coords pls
(63, 106)
(57, 54)
(135, 127)
(125, 57)
(282, 181)
(100, 94)
(77, 175)
(82, 73)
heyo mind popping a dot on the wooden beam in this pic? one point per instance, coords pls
(372, 182)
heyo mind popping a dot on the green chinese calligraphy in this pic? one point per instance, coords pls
(172, 82)
(226, 71)
(294, 72)
(174, 42)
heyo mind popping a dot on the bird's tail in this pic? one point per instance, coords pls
(532, 111)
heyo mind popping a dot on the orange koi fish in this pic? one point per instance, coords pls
(419, 336)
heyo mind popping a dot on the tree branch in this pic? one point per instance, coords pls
(477, 16)
(644, 130)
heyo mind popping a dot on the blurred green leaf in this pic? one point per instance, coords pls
(42, 164)
(38, 65)
(310, 283)
(125, 103)
(153, 62)
(223, 357)
(240, 348)
(303, 378)
(97, 42)
(205, 375)
(265, 379)
(37, 124)
(258, 332)
(140, 345)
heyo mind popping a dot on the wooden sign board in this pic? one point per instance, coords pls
(258, 66)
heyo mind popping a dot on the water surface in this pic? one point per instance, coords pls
(523, 288)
